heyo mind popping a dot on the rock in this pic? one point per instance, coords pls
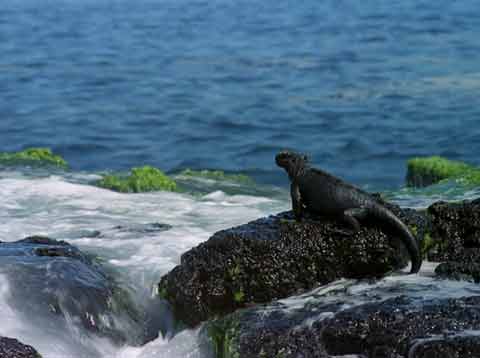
(395, 328)
(447, 347)
(33, 156)
(149, 228)
(217, 175)
(424, 171)
(51, 280)
(11, 348)
(139, 180)
(267, 331)
(272, 258)
(465, 271)
(451, 235)
(455, 233)
(204, 182)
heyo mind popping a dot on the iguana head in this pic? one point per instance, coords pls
(292, 162)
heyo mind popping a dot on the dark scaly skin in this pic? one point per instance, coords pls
(323, 194)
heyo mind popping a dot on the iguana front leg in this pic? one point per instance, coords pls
(297, 203)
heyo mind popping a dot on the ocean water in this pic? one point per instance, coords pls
(223, 84)
(220, 84)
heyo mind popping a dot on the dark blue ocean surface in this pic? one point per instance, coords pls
(360, 85)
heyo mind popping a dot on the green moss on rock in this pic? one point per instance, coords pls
(427, 244)
(472, 177)
(141, 179)
(239, 296)
(224, 336)
(33, 156)
(162, 293)
(423, 171)
(413, 229)
(217, 175)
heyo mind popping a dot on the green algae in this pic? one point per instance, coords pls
(162, 293)
(233, 274)
(223, 334)
(203, 182)
(239, 296)
(140, 179)
(472, 177)
(121, 302)
(413, 229)
(217, 175)
(427, 244)
(423, 171)
(33, 156)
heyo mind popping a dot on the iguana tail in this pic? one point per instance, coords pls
(408, 239)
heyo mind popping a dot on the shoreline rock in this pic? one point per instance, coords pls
(33, 156)
(52, 280)
(272, 258)
(455, 239)
(399, 327)
(236, 278)
(455, 230)
(12, 348)
(139, 180)
(425, 171)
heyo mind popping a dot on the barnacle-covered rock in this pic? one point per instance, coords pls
(272, 258)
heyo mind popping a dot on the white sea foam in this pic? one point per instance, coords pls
(110, 225)
(184, 344)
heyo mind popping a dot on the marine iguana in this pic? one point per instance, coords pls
(321, 193)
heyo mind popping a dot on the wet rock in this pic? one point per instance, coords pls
(424, 171)
(139, 180)
(150, 228)
(11, 348)
(33, 157)
(455, 231)
(53, 281)
(395, 328)
(271, 258)
(465, 271)
(449, 233)
(463, 346)
(455, 239)
(268, 331)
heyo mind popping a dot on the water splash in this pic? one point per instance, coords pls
(138, 237)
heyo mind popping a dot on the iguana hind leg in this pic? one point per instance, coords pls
(353, 215)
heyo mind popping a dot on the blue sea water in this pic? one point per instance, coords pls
(220, 84)
(360, 86)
